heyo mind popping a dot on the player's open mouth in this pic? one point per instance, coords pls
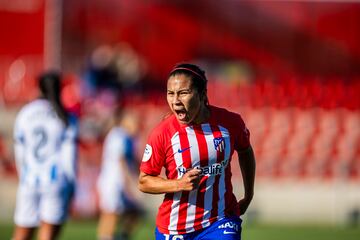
(181, 114)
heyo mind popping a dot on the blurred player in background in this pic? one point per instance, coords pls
(117, 183)
(45, 152)
(195, 145)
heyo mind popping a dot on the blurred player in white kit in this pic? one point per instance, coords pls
(45, 153)
(117, 182)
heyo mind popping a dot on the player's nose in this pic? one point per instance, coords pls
(176, 99)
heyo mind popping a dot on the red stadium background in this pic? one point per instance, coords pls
(291, 68)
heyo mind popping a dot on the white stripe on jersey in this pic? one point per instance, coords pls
(174, 215)
(194, 152)
(222, 185)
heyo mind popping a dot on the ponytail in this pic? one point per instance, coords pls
(50, 87)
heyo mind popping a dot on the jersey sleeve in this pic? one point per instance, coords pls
(69, 149)
(113, 148)
(19, 141)
(242, 134)
(154, 155)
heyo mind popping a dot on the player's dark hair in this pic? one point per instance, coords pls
(196, 74)
(50, 87)
(118, 113)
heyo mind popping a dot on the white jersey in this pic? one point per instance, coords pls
(45, 149)
(114, 150)
(118, 146)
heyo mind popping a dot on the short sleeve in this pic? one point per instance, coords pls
(18, 131)
(154, 155)
(242, 134)
(19, 140)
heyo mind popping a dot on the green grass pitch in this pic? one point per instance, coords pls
(76, 229)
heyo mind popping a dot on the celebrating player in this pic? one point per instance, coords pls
(45, 153)
(195, 145)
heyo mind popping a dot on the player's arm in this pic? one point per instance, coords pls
(19, 144)
(69, 155)
(69, 150)
(129, 178)
(247, 166)
(157, 184)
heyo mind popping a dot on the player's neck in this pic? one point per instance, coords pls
(203, 116)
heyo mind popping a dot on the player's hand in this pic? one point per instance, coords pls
(190, 180)
(243, 204)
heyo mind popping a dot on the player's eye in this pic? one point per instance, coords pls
(185, 92)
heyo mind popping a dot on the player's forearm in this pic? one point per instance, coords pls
(69, 156)
(248, 166)
(157, 184)
(129, 179)
(70, 149)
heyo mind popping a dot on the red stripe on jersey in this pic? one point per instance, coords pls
(163, 218)
(184, 200)
(203, 154)
(230, 199)
(220, 157)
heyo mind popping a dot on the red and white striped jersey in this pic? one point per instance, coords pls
(208, 147)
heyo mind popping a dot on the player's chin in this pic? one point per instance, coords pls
(183, 121)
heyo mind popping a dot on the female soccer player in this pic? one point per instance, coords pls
(195, 145)
(45, 153)
(117, 182)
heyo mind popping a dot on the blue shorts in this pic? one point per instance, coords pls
(228, 228)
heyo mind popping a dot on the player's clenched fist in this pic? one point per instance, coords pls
(190, 180)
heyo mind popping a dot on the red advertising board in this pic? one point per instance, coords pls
(22, 31)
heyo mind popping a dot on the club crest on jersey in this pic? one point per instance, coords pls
(219, 144)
